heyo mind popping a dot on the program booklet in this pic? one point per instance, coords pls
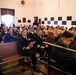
(31, 43)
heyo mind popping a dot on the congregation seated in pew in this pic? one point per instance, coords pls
(26, 50)
(10, 36)
(39, 46)
(65, 58)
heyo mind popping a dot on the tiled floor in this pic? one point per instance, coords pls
(15, 69)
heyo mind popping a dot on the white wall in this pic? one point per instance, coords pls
(55, 8)
(42, 9)
(20, 10)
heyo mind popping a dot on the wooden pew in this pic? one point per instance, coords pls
(50, 40)
(53, 65)
(9, 53)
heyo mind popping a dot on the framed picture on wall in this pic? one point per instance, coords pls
(42, 22)
(63, 22)
(69, 17)
(73, 23)
(45, 19)
(19, 21)
(52, 18)
(55, 22)
(59, 18)
(48, 22)
(24, 20)
(29, 21)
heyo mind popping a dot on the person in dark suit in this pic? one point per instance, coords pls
(15, 33)
(23, 42)
(1, 39)
(65, 58)
(9, 37)
(40, 46)
(31, 33)
(25, 49)
(5, 31)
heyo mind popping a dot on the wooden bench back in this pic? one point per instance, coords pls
(8, 49)
(50, 40)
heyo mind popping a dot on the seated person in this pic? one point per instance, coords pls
(5, 31)
(15, 32)
(23, 42)
(40, 46)
(64, 57)
(9, 37)
(31, 33)
(1, 38)
(25, 49)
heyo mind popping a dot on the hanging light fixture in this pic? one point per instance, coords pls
(22, 2)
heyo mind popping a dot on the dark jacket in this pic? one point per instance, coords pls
(31, 35)
(1, 39)
(22, 43)
(3, 34)
(63, 56)
(9, 38)
(39, 40)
